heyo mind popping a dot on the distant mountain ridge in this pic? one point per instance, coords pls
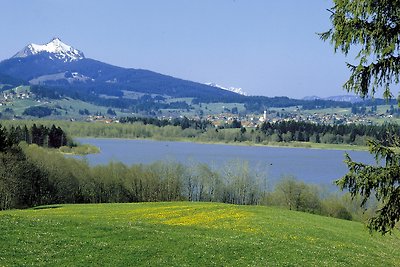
(339, 98)
(61, 66)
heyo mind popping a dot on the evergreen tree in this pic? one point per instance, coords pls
(54, 138)
(13, 136)
(25, 136)
(3, 139)
(372, 28)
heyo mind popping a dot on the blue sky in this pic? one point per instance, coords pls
(265, 47)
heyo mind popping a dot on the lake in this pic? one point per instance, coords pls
(310, 165)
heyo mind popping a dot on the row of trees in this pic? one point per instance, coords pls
(31, 175)
(53, 137)
(284, 131)
(323, 133)
(183, 122)
(289, 131)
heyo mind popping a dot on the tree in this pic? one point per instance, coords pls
(235, 124)
(57, 137)
(38, 111)
(111, 112)
(3, 139)
(372, 28)
(297, 195)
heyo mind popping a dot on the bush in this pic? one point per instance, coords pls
(295, 195)
(334, 207)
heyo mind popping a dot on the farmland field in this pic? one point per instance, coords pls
(186, 234)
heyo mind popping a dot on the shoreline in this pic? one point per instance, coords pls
(304, 145)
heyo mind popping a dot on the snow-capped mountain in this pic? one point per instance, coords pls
(59, 67)
(55, 48)
(231, 89)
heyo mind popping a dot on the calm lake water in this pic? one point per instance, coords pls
(310, 165)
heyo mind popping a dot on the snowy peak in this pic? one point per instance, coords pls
(232, 89)
(56, 48)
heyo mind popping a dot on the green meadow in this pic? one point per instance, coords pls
(187, 234)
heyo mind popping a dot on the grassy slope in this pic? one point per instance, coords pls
(187, 234)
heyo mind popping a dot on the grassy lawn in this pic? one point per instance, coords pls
(186, 234)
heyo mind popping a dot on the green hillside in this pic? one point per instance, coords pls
(186, 234)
